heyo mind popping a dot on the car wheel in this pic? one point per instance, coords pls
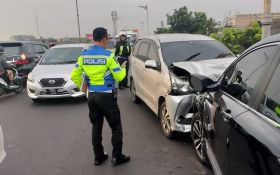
(135, 98)
(20, 88)
(165, 121)
(199, 139)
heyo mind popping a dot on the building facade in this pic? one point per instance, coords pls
(246, 20)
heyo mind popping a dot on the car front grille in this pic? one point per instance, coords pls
(52, 82)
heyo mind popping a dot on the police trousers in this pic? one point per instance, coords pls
(121, 60)
(105, 105)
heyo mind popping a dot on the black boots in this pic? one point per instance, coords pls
(120, 160)
(100, 159)
(115, 161)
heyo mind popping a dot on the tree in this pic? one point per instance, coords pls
(163, 30)
(238, 40)
(185, 21)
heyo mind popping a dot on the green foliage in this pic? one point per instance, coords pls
(185, 21)
(238, 40)
(163, 30)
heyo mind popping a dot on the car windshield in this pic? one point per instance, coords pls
(67, 55)
(181, 51)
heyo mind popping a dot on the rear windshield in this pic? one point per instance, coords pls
(181, 51)
(67, 55)
(11, 49)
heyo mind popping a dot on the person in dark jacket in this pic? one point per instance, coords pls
(123, 51)
(5, 69)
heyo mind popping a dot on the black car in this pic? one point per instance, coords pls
(23, 54)
(236, 124)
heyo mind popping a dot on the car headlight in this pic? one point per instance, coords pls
(30, 78)
(179, 86)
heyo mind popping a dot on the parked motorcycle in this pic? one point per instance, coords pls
(4, 87)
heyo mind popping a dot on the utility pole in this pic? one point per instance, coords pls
(145, 7)
(267, 19)
(115, 18)
(78, 19)
(37, 24)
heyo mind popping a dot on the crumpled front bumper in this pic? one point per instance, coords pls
(179, 108)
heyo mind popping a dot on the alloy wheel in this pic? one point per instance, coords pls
(198, 139)
(165, 121)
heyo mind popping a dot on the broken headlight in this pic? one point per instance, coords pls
(179, 86)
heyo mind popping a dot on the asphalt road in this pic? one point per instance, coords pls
(54, 138)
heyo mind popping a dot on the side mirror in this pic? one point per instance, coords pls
(151, 64)
(202, 83)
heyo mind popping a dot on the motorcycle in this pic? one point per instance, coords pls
(4, 87)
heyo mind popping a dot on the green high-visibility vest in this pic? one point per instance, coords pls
(277, 111)
(121, 49)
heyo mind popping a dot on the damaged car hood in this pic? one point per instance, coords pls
(213, 68)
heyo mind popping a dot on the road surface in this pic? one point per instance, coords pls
(54, 138)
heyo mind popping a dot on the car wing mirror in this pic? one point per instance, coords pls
(151, 64)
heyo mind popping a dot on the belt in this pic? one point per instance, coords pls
(108, 92)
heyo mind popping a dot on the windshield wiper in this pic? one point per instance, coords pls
(53, 63)
(193, 56)
(66, 62)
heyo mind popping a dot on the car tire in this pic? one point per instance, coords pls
(20, 88)
(135, 98)
(199, 139)
(165, 121)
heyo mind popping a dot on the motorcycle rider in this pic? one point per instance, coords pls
(123, 51)
(5, 69)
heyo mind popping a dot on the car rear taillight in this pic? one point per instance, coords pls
(22, 60)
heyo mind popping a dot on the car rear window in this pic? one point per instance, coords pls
(181, 51)
(11, 49)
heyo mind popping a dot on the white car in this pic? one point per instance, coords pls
(2, 151)
(51, 77)
(160, 68)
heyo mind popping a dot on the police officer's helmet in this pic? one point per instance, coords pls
(122, 35)
(1, 50)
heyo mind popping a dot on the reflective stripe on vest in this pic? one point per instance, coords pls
(121, 49)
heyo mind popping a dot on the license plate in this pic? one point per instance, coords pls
(54, 91)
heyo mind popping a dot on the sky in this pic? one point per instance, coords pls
(57, 18)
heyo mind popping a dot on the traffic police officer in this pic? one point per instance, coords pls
(123, 51)
(102, 70)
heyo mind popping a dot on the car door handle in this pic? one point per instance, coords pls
(226, 113)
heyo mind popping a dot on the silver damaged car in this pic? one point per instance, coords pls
(160, 70)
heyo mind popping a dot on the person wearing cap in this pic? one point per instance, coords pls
(123, 51)
(5, 70)
(101, 71)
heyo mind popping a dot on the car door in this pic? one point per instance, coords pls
(255, 135)
(239, 88)
(139, 67)
(151, 76)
